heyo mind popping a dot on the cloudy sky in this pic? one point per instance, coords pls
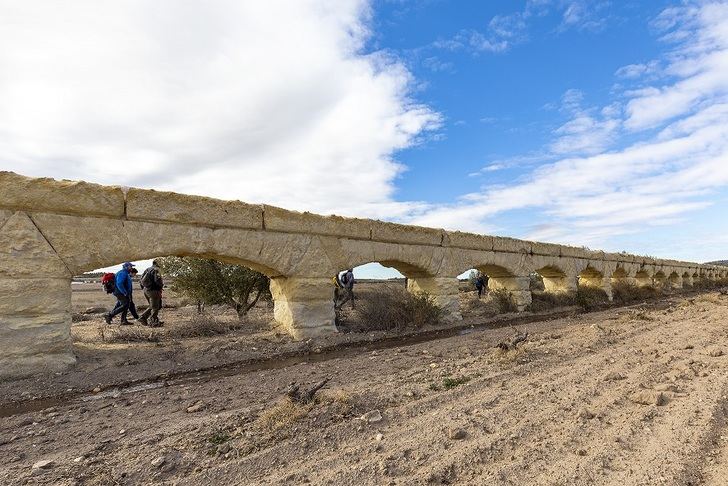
(589, 122)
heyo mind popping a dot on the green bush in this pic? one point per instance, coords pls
(211, 282)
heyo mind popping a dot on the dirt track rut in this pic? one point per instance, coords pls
(563, 409)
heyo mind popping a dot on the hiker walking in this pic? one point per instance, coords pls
(122, 292)
(132, 306)
(152, 284)
(347, 284)
(481, 283)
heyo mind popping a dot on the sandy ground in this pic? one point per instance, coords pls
(624, 396)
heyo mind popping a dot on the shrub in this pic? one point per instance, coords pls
(212, 282)
(625, 293)
(202, 325)
(543, 301)
(503, 300)
(591, 298)
(449, 382)
(393, 309)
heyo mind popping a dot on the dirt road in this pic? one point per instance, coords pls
(625, 396)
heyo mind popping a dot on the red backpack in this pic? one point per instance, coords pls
(109, 282)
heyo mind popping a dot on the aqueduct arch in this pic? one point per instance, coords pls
(51, 230)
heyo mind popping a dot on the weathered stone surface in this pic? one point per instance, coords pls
(444, 292)
(400, 233)
(304, 306)
(86, 243)
(471, 241)
(278, 219)
(74, 227)
(35, 344)
(24, 250)
(20, 192)
(511, 245)
(34, 296)
(549, 249)
(150, 205)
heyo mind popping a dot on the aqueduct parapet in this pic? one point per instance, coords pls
(52, 230)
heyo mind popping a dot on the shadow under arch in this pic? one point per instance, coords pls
(660, 279)
(555, 279)
(591, 277)
(643, 278)
(675, 280)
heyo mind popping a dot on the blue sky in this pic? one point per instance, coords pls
(587, 122)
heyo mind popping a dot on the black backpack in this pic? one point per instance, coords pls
(147, 280)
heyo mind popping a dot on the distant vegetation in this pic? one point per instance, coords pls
(718, 262)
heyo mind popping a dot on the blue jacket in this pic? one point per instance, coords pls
(123, 282)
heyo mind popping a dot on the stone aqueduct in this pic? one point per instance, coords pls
(52, 230)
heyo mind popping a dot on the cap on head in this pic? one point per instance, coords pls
(127, 265)
(156, 262)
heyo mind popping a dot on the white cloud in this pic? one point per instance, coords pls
(263, 101)
(612, 177)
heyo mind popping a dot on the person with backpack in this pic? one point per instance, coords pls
(152, 284)
(480, 284)
(347, 282)
(122, 292)
(132, 306)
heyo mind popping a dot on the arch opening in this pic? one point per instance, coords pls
(643, 278)
(195, 302)
(591, 277)
(375, 296)
(660, 280)
(675, 280)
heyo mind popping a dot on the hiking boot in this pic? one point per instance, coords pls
(157, 324)
(107, 318)
(125, 323)
(143, 321)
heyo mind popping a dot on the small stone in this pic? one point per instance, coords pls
(585, 414)
(614, 376)
(456, 434)
(715, 353)
(372, 417)
(581, 452)
(122, 432)
(379, 437)
(97, 389)
(78, 459)
(45, 464)
(649, 397)
(196, 407)
(25, 421)
(159, 461)
(223, 448)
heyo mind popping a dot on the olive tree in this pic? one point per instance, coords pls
(213, 282)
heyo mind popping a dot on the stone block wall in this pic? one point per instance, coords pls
(51, 230)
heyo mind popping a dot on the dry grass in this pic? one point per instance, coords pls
(591, 298)
(203, 325)
(544, 301)
(283, 414)
(129, 334)
(390, 309)
(628, 293)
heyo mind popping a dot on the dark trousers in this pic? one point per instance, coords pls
(480, 291)
(132, 308)
(154, 297)
(348, 296)
(122, 306)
